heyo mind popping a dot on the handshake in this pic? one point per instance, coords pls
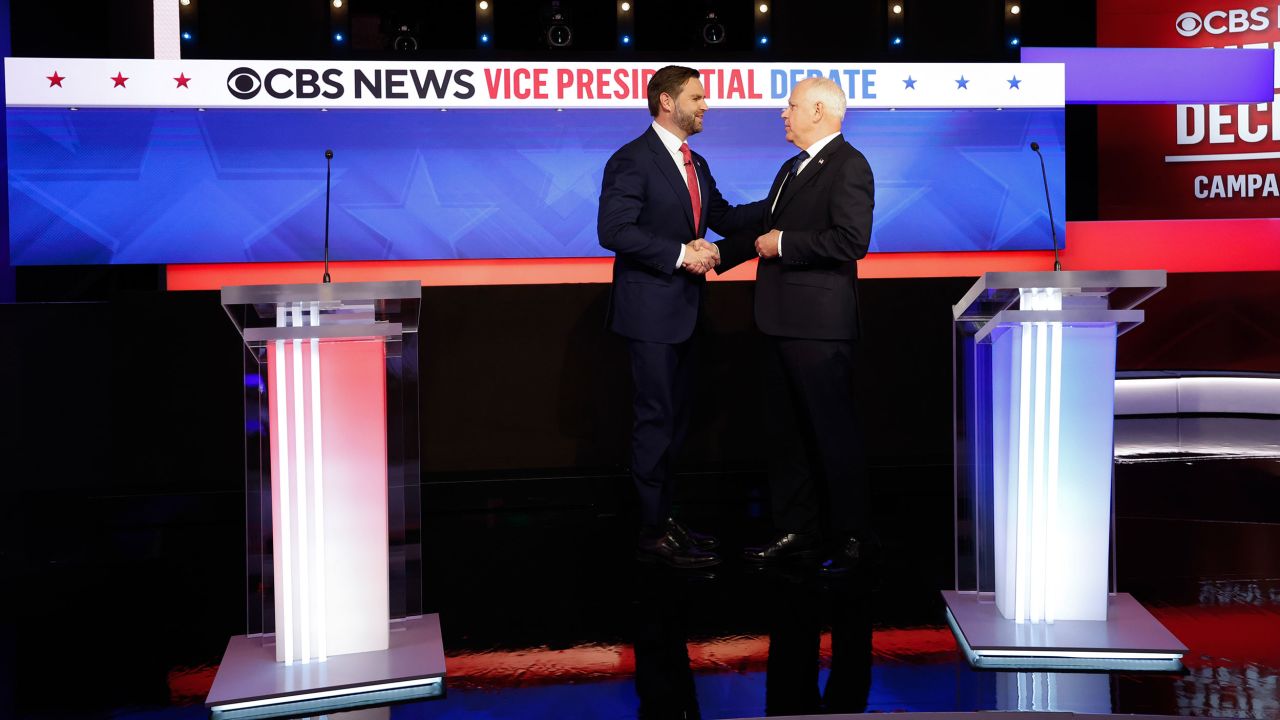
(700, 256)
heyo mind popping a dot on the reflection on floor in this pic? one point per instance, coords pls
(1159, 439)
(545, 614)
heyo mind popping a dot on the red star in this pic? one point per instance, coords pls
(182, 80)
(54, 79)
(119, 79)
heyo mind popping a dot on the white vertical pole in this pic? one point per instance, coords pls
(1039, 476)
(284, 625)
(1053, 562)
(317, 474)
(300, 453)
(1024, 476)
(165, 43)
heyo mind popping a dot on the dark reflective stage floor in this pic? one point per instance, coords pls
(121, 606)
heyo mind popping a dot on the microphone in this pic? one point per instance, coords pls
(328, 167)
(1057, 265)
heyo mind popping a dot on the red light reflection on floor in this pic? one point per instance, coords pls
(1222, 637)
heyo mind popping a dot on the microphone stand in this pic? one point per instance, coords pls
(328, 168)
(1057, 264)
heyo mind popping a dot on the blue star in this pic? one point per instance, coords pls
(962, 84)
(910, 83)
(1014, 83)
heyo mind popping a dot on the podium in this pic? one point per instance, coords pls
(1034, 375)
(333, 512)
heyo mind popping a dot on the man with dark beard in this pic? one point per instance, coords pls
(656, 202)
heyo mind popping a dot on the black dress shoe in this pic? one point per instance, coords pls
(691, 538)
(788, 546)
(669, 550)
(852, 554)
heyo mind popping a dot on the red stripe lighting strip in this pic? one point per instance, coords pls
(1177, 246)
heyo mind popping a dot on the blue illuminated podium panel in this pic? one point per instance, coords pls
(1035, 365)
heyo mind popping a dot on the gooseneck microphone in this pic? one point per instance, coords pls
(328, 168)
(1057, 265)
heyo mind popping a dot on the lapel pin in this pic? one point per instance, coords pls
(821, 160)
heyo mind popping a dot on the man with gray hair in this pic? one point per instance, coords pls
(806, 302)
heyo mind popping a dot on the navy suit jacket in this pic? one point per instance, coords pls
(811, 291)
(645, 216)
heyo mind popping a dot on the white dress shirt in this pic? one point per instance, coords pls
(672, 144)
(813, 150)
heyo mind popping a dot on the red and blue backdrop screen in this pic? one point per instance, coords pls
(103, 185)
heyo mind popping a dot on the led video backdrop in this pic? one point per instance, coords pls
(233, 184)
(1172, 162)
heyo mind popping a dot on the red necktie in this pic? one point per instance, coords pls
(691, 177)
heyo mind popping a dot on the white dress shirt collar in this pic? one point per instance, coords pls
(669, 140)
(816, 148)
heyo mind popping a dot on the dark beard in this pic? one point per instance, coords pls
(687, 123)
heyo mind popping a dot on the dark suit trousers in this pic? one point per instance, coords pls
(817, 460)
(662, 375)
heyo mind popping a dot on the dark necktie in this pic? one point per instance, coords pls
(795, 168)
(691, 177)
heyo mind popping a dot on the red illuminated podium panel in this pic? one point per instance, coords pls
(332, 485)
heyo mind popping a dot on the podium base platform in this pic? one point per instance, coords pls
(251, 684)
(1129, 639)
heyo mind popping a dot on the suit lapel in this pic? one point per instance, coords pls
(777, 185)
(777, 182)
(667, 168)
(809, 174)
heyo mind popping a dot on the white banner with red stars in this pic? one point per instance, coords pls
(78, 82)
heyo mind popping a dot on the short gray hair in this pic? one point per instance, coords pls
(827, 92)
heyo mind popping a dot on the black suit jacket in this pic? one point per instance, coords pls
(825, 218)
(645, 216)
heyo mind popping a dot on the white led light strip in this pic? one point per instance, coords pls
(301, 492)
(1054, 559)
(1022, 512)
(1039, 480)
(300, 455)
(284, 629)
(321, 694)
(1035, 556)
(317, 473)
(1097, 654)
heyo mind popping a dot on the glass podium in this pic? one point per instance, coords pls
(333, 506)
(1034, 377)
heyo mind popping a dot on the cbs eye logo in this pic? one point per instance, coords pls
(1188, 24)
(1218, 22)
(244, 83)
